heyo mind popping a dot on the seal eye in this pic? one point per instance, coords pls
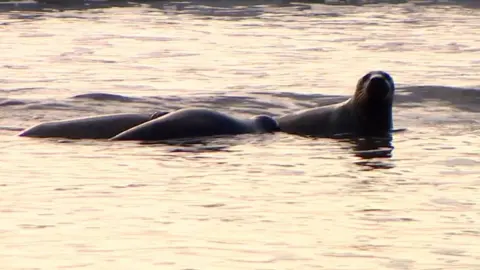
(366, 77)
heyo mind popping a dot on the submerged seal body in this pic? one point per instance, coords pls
(197, 122)
(95, 127)
(368, 113)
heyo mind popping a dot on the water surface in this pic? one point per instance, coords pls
(274, 201)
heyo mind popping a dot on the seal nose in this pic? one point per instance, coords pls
(379, 81)
(378, 86)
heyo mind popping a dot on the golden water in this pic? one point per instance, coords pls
(251, 202)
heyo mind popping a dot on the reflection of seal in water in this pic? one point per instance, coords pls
(367, 113)
(197, 122)
(95, 127)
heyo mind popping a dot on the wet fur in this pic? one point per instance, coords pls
(197, 122)
(94, 127)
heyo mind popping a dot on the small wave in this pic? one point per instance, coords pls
(11, 102)
(220, 12)
(140, 37)
(15, 66)
(325, 14)
(244, 104)
(303, 101)
(388, 47)
(11, 128)
(467, 99)
(105, 97)
(49, 105)
(20, 89)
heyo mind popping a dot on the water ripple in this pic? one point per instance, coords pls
(273, 201)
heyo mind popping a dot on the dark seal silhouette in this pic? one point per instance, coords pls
(197, 122)
(368, 113)
(94, 127)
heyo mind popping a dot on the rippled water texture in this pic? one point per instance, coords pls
(249, 202)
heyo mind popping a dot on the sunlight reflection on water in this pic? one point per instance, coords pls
(251, 202)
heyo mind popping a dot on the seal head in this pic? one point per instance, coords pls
(265, 124)
(368, 113)
(372, 104)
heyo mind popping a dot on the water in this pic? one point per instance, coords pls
(248, 202)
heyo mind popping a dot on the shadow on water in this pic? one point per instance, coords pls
(371, 153)
(222, 143)
(374, 153)
(60, 5)
(466, 99)
(462, 3)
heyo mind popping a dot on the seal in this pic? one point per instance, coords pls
(197, 122)
(368, 113)
(95, 127)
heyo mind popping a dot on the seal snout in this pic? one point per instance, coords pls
(378, 87)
